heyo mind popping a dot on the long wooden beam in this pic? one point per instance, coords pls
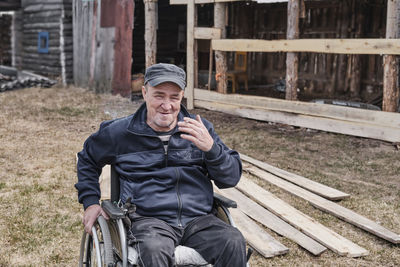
(184, 2)
(309, 226)
(329, 206)
(336, 46)
(271, 221)
(317, 188)
(304, 108)
(190, 56)
(390, 134)
(257, 238)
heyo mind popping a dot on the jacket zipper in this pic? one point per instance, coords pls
(179, 199)
(177, 187)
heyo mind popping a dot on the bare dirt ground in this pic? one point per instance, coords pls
(41, 130)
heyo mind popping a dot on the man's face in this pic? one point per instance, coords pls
(163, 105)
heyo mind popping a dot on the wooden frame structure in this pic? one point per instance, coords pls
(289, 112)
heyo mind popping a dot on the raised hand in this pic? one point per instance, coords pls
(196, 132)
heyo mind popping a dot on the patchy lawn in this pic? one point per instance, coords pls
(41, 130)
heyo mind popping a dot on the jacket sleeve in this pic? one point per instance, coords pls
(97, 151)
(223, 164)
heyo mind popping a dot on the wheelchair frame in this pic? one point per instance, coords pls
(109, 238)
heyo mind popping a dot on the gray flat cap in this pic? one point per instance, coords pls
(163, 72)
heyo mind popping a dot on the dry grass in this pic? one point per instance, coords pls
(41, 130)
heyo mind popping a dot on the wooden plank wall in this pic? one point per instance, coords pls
(83, 24)
(55, 17)
(324, 74)
(5, 39)
(16, 39)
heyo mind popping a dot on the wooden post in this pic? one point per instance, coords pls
(221, 66)
(121, 83)
(342, 58)
(356, 66)
(190, 55)
(150, 34)
(390, 62)
(292, 59)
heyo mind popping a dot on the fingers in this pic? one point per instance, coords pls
(195, 131)
(90, 216)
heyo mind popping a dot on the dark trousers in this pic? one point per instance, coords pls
(217, 242)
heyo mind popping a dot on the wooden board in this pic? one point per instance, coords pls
(336, 46)
(317, 188)
(309, 226)
(385, 133)
(207, 33)
(257, 238)
(329, 206)
(271, 221)
(184, 2)
(304, 108)
(105, 182)
(189, 92)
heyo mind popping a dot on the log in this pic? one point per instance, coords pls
(356, 66)
(271, 221)
(292, 59)
(315, 187)
(189, 92)
(390, 62)
(150, 35)
(221, 66)
(309, 226)
(329, 206)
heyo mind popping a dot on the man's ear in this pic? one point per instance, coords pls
(144, 92)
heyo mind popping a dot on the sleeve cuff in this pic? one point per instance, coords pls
(213, 152)
(89, 201)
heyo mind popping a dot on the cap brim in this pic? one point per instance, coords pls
(160, 80)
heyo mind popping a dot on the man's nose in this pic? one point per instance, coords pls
(166, 105)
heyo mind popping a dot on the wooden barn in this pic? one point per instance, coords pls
(266, 59)
(114, 39)
(41, 37)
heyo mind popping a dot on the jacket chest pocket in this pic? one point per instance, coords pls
(138, 161)
(185, 157)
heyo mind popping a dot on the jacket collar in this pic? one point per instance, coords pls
(139, 126)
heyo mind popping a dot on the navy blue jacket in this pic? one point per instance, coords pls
(174, 186)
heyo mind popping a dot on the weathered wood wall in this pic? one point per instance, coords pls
(319, 74)
(54, 17)
(103, 45)
(5, 39)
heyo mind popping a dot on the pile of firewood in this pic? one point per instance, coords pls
(12, 82)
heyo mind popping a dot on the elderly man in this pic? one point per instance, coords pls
(166, 159)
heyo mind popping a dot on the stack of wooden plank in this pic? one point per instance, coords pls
(263, 207)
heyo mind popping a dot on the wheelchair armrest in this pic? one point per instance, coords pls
(224, 201)
(112, 210)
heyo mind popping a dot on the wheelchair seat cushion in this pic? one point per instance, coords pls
(184, 256)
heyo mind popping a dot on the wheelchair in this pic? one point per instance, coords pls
(108, 244)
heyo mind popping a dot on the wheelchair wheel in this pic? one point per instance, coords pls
(96, 249)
